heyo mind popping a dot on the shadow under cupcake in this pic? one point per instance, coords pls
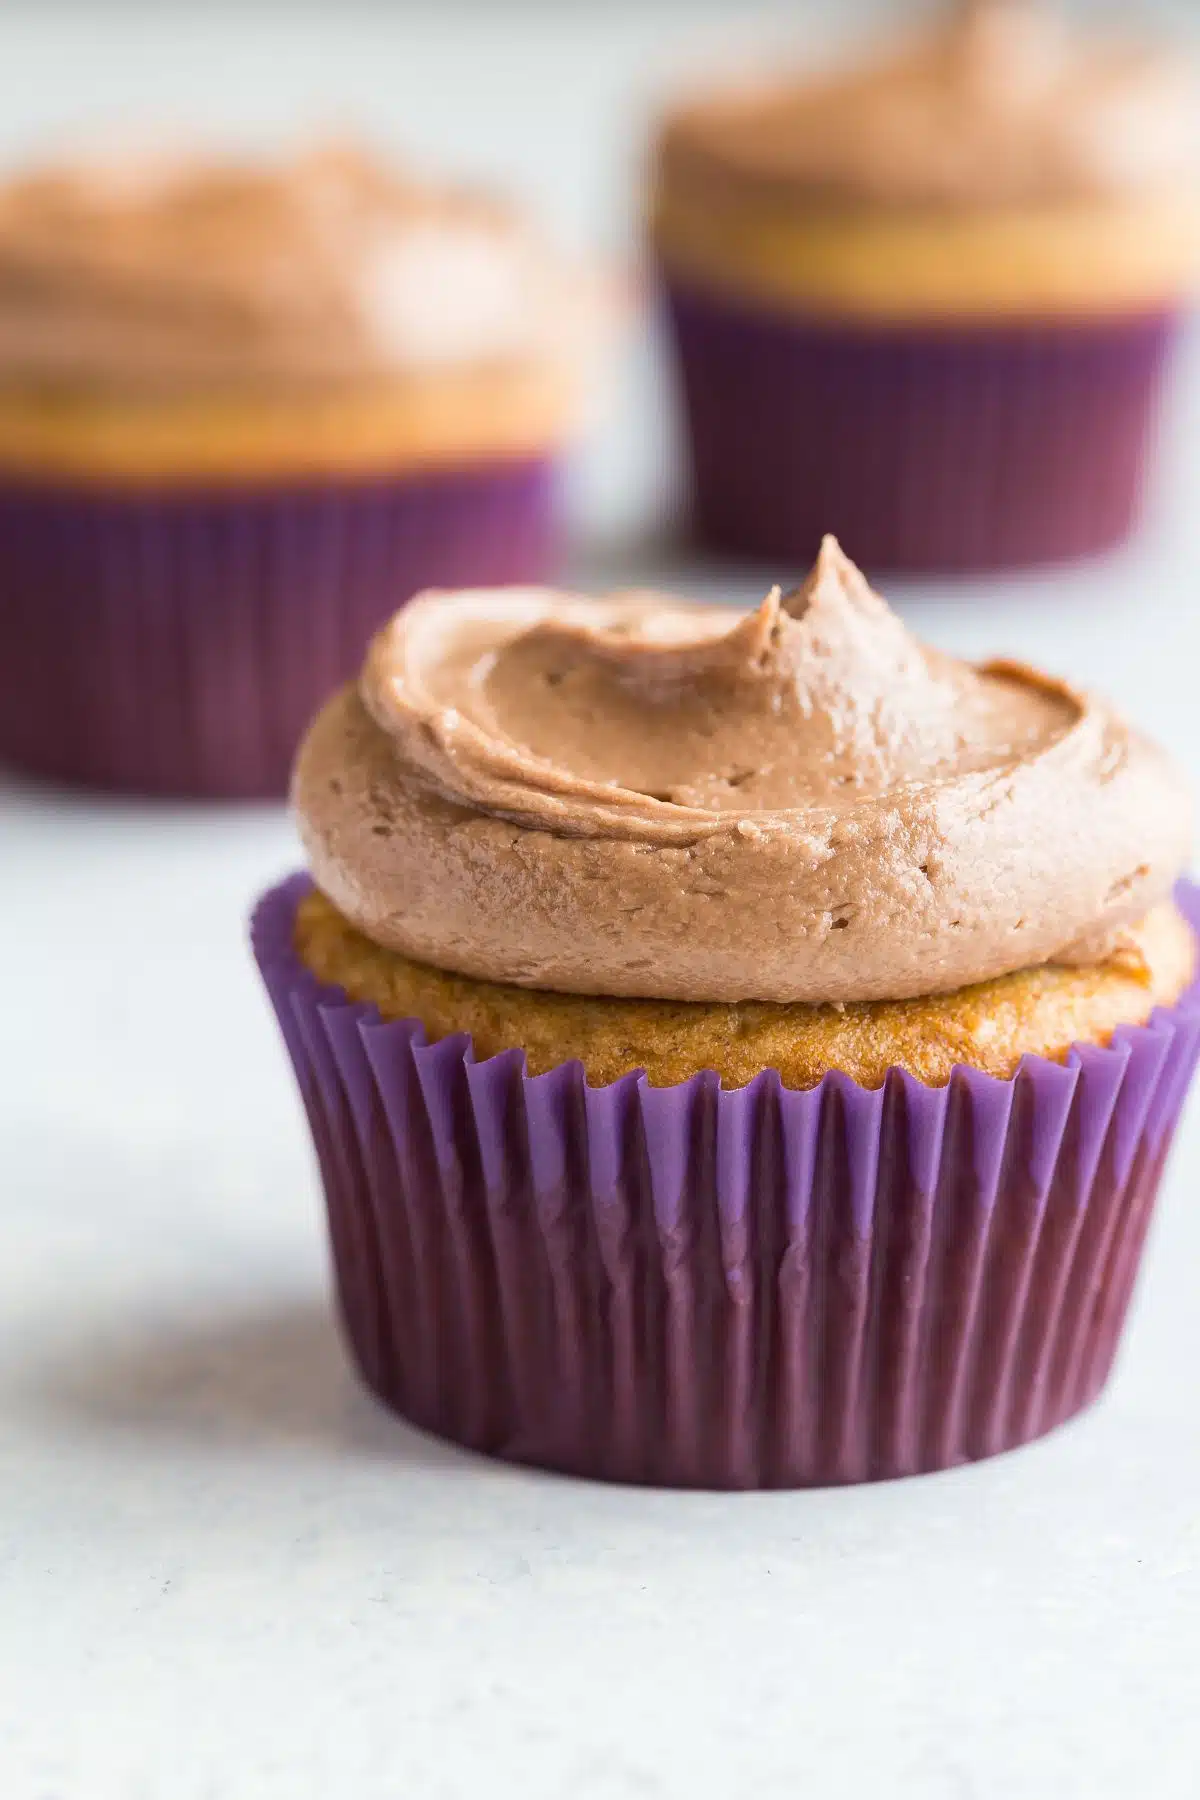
(245, 412)
(741, 1050)
(928, 300)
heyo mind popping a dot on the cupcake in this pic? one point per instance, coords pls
(245, 412)
(927, 302)
(741, 1050)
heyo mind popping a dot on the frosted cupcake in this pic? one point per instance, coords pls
(741, 1049)
(245, 412)
(927, 301)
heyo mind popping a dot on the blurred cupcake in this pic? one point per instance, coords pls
(893, 940)
(927, 302)
(245, 412)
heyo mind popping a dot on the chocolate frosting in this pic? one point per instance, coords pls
(999, 102)
(330, 267)
(639, 796)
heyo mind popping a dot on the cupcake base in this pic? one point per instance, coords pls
(177, 642)
(693, 1286)
(924, 448)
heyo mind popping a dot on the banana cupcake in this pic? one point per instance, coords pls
(927, 300)
(741, 1050)
(246, 410)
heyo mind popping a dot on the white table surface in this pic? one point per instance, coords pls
(225, 1573)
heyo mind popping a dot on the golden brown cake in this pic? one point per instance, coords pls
(990, 1026)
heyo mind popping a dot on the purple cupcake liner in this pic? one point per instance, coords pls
(923, 448)
(178, 642)
(696, 1286)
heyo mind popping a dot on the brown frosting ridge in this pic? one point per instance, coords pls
(640, 796)
(999, 102)
(331, 266)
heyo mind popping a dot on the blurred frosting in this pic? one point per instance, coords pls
(332, 266)
(639, 796)
(1000, 102)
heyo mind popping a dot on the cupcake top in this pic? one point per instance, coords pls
(641, 796)
(997, 103)
(330, 267)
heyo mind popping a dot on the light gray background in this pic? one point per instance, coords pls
(224, 1574)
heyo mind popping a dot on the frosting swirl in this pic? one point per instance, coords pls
(640, 796)
(999, 103)
(329, 267)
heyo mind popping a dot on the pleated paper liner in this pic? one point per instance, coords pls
(695, 1286)
(924, 448)
(178, 643)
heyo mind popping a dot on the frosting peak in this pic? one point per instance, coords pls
(999, 102)
(330, 266)
(666, 717)
(642, 796)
